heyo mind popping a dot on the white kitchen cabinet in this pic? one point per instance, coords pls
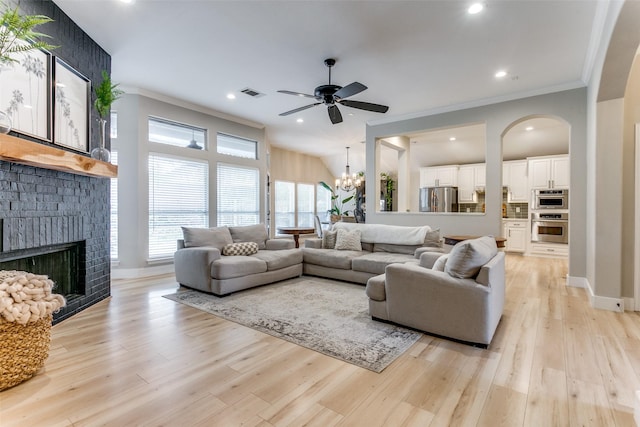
(515, 231)
(514, 177)
(549, 172)
(554, 250)
(439, 176)
(470, 177)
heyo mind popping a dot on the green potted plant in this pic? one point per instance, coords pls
(336, 211)
(106, 94)
(18, 35)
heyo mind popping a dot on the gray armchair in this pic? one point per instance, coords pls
(429, 297)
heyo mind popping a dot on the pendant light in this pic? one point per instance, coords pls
(348, 181)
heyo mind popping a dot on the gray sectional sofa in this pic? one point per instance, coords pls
(378, 246)
(222, 260)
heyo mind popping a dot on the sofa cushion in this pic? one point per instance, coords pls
(432, 239)
(330, 257)
(229, 267)
(396, 249)
(240, 248)
(250, 233)
(348, 240)
(216, 237)
(375, 288)
(440, 263)
(329, 239)
(279, 258)
(376, 262)
(466, 258)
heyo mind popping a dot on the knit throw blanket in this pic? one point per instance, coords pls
(27, 297)
(382, 233)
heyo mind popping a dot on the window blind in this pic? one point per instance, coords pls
(238, 195)
(178, 196)
(306, 205)
(236, 146)
(285, 204)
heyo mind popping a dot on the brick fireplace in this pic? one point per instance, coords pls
(42, 210)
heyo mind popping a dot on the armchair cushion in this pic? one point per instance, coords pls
(240, 248)
(216, 237)
(250, 233)
(279, 244)
(466, 258)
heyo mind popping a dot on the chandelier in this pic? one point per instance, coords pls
(348, 181)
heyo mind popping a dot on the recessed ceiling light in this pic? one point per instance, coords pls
(453, 138)
(127, 1)
(350, 114)
(231, 96)
(300, 120)
(528, 128)
(500, 74)
(475, 8)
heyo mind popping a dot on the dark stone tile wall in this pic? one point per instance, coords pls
(40, 206)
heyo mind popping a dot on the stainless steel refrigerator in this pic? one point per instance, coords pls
(439, 199)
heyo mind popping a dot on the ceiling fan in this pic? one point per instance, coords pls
(331, 95)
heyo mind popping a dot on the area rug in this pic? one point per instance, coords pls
(322, 315)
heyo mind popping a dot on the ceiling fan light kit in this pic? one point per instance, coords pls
(331, 95)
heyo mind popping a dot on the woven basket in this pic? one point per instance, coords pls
(23, 350)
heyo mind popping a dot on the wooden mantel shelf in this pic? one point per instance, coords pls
(18, 150)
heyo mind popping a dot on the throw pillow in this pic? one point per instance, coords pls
(216, 237)
(329, 239)
(348, 240)
(466, 258)
(242, 248)
(440, 263)
(250, 233)
(432, 239)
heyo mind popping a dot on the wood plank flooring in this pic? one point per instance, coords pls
(138, 359)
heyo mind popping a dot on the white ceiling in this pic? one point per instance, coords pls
(414, 56)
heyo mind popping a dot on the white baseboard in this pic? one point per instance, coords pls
(629, 304)
(136, 273)
(596, 301)
(577, 282)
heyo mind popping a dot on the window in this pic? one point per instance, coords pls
(236, 146)
(323, 202)
(180, 135)
(306, 205)
(113, 129)
(178, 196)
(238, 195)
(114, 210)
(285, 204)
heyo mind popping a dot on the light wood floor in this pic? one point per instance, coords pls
(140, 359)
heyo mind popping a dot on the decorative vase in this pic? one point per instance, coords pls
(101, 153)
(5, 122)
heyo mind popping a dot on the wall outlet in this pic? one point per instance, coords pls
(517, 209)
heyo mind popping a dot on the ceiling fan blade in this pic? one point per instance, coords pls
(365, 106)
(350, 90)
(286, 113)
(288, 92)
(334, 114)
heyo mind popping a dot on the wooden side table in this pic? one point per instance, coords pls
(453, 240)
(296, 232)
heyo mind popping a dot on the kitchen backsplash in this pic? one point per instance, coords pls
(512, 208)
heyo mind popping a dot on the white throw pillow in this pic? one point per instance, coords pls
(466, 258)
(440, 263)
(348, 240)
(329, 239)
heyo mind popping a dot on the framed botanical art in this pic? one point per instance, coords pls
(25, 92)
(72, 99)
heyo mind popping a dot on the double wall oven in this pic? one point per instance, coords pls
(550, 216)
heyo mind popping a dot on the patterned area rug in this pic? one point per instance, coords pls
(326, 316)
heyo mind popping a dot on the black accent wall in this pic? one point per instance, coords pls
(41, 206)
